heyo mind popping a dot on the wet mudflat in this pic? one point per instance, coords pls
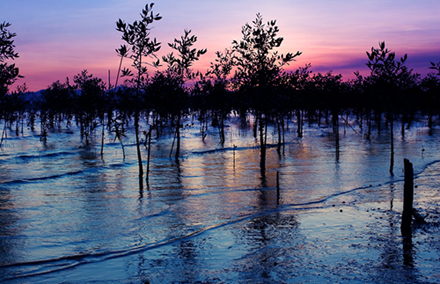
(68, 215)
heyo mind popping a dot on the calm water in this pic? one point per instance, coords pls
(68, 215)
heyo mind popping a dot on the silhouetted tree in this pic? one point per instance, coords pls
(296, 92)
(258, 69)
(328, 95)
(430, 93)
(137, 36)
(90, 102)
(212, 93)
(8, 73)
(388, 78)
(179, 71)
(12, 109)
(57, 104)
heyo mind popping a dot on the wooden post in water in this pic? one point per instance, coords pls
(408, 197)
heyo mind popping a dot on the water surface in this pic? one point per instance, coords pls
(68, 214)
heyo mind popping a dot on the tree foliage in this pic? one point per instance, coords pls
(8, 73)
(386, 68)
(435, 66)
(137, 36)
(390, 79)
(186, 55)
(258, 63)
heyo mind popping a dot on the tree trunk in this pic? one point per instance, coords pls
(148, 158)
(335, 118)
(138, 148)
(279, 136)
(392, 146)
(178, 138)
(102, 140)
(256, 125)
(402, 130)
(263, 137)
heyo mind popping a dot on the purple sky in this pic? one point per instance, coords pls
(59, 38)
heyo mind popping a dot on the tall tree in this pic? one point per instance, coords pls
(137, 36)
(179, 71)
(258, 68)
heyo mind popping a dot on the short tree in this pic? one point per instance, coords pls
(90, 103)
(388, 80)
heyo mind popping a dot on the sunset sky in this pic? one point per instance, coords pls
(59, 38)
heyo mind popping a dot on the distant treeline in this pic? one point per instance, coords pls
(167, 95)
(299, 90)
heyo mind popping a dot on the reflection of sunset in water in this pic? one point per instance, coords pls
(212, 212)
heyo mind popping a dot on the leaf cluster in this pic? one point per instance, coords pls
(435, 66)
(384, 66)
(222, 65)
(137, 36)
(8, 73)
(6, 43)
(258, 64)
(186, 55)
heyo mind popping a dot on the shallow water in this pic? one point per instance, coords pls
(68, 215)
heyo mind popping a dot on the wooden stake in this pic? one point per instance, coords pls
(408, 197)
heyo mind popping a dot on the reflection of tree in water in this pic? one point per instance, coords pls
(271, 240)
(187, 253)
(8, 228)
(395, 260)
(181, 256)
(183, 263)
